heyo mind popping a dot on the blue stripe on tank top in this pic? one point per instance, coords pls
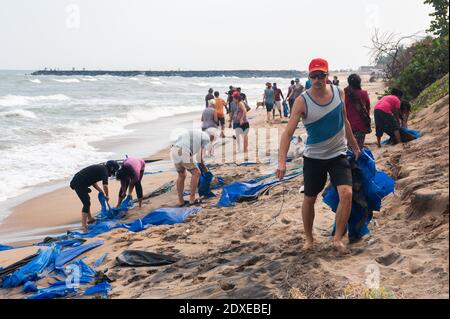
(327, 127)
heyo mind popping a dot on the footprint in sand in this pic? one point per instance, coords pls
(225, 285)
(388, 259)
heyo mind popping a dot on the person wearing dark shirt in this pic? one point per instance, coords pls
(278, 94)
(405, 110)
(88, 177)
(229, 98)
(335, 81)
(208, 97)
(357, 105)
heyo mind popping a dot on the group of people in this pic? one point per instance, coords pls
(335, 120)
(129, 173)
(236, 107)
(390, 112)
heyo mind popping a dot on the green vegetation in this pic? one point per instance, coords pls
(428, 59)
(431, 94)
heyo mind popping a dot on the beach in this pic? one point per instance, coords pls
(253, 250)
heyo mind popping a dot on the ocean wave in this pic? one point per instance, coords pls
(67, 80)
(19, 113)
(89, 79)
(35, 80)
(31, 165)
(18, 100)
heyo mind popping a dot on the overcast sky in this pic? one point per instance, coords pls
(197, 34)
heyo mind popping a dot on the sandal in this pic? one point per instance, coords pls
(196, 202)
(90, 222)
(186, 203)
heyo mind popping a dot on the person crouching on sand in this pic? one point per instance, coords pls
(327, 127)
(88, 177)
(130, 176)
(189, 144)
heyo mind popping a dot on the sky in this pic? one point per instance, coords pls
(198, 34)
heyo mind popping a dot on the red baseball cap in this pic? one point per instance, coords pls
(318, 65)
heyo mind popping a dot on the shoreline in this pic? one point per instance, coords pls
(17, 220)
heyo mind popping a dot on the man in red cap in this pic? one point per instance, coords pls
(322, 111)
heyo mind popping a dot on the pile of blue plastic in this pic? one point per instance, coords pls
(57, 260)
(249, 189)
(375, 186)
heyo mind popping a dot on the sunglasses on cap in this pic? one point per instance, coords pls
(319, 76)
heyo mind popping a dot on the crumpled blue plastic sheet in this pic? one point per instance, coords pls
(63, 243)
(70, 254)
(161, 216)
(100, 260)
(53, 292)
(247, 163)
(107, 212)
(376, 185)
(233, 192)
(78, 273)
(151, 173)
(101, 288)
(30, 286)
(416, 134)
(285, 109)
(3, 247)
(205, 184)
(31, 271)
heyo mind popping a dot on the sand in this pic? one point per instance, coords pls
(253, 250)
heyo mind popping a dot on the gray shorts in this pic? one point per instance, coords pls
(182, 160)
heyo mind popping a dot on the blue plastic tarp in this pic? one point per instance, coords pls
(78, 273)
(204, 184)
(96, 229)
(30, 286)
(53, 292)
(169, 216)
(151, 173)
(31, 271)
(161, 216)
(107, 212)
(3, 247)
(70, 254)
(285, 109)
(247, 163)
(100, 260)
(404, 130)
(375, 186)
(101, 288)
(233, 192)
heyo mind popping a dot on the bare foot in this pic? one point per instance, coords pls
(309, 245)
(340, 247)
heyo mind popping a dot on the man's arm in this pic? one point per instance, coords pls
(348, 129)
(95, 185)
(244, 112)
(200, 159)
(298, 112)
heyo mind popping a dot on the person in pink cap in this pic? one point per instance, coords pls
(321, 108)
